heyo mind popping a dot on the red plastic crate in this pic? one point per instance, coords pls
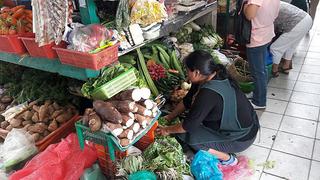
(107, 166)
(12, 44)
(147, 139)
(85, 60)
(55, 136)
(36, 51)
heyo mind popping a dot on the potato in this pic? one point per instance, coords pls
(27, 115)
(36, 137)
(2, 107)
(56, 106)
(36, 108)
(4, 124)
(15, 122)
(57, 113)
(94, 122)
(53, 126)
(24, 123)
(64, 117)
(30, 132)
(9, 128)
(43, 112)
(35, 117)
(46, 133)
(41, 138)
(6, 99)
(26, 127)
(38, 128)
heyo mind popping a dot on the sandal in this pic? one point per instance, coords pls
(285, 70)
(275, 74)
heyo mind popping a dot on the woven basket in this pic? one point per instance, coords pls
(235, 69)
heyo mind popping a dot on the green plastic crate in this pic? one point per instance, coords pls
(115, 86)
(107, 139)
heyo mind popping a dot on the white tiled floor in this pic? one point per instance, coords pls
(290, 133)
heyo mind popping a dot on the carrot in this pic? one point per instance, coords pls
(27, 11)
(4, 15)
(17, 8)
(18, 13)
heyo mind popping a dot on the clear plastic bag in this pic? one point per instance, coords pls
(63, 161)
(146, 12)
(17, 147)
(88, 38)
(205, 166)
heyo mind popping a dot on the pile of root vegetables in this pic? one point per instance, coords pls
(125, 116)
(40, 120)
(5, 101)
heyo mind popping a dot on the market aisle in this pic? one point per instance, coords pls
(290, 135)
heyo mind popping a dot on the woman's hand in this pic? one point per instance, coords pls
(162, 131)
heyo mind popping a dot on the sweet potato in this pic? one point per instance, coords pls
(6, 99)
(127, 120)
(9, 128)
(38, 128)
(24, 123)
(131, 95)
(4, 124)
(124, 142)
(125, 106)
(94, 122)
(36, 137)
(26, 127)
(35, 117)
(128, 133)
(53, 126)
(51, 110)
(107, 111)
(27, 115)
(57, 113)
(15, 122)
(43, 112)
(62, 118)
(115, 129)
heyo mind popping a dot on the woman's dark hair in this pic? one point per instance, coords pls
(203, 61)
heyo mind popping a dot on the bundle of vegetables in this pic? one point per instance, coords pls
(156, 71)
(40, 120)
(125, 116)
(207, 36)
(17, 20)
(184, 34)
(107, 74)
(34, 84)
(165, 157)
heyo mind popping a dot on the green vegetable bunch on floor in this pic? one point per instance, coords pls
(166, 158)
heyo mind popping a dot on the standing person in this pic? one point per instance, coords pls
(262, 14)
(292, 24)
(221, 120)
(313, 8)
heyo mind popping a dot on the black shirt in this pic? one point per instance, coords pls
(207, 109)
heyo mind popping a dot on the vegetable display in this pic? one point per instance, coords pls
(17, 20)
(125, 116)
(40, 120)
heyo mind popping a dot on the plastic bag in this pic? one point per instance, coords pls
(122, 15)
(88, 38)
(13, 111)
(205, 166)
(63, 161)
(240, 171)
(18, 146)
(146, 12)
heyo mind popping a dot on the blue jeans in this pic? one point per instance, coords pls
(257, 61)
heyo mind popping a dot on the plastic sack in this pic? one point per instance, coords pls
(146, 12)
(242, 170)
(63, 161)
(88, 38)
(17, 147)
(205, 166)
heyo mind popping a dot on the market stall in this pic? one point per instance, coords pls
(110, 78)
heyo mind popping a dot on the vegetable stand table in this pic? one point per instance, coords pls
(49, 65)
(107, 139)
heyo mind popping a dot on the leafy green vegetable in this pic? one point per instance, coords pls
(130, 165)
(166, 155)
(164, 122)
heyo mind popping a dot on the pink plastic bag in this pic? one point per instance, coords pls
(63, 161)
(241, 171)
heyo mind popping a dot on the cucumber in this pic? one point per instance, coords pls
(165, 54)
(155, 55)
(176, 63)
(163, 61)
